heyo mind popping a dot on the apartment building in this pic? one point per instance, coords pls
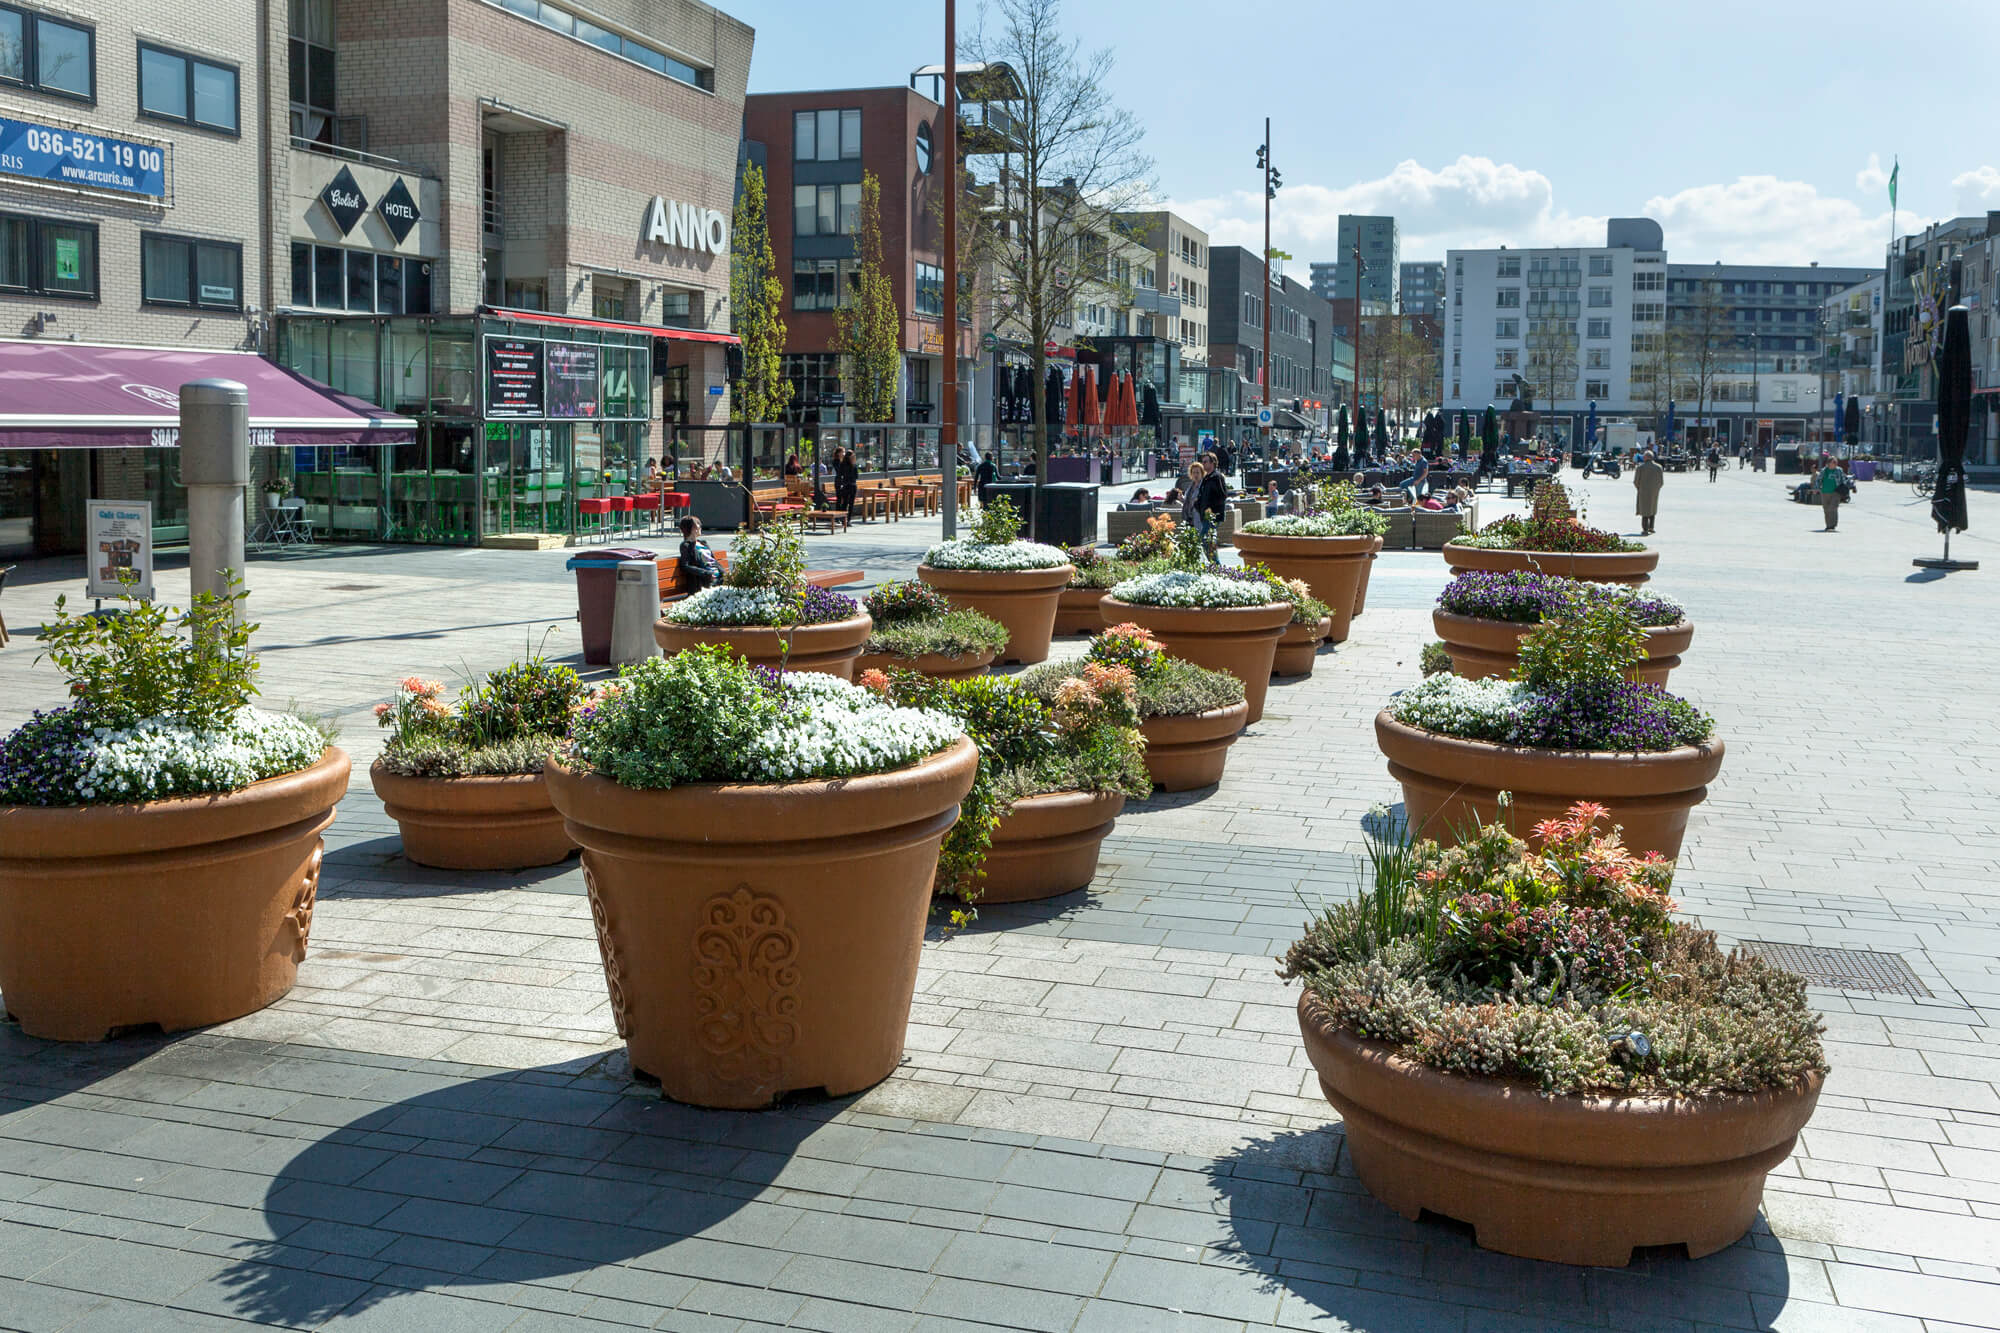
(1381, 263)
(1420, 289)
(1180, 301)
(1302, 364)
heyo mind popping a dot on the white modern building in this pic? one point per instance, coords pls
(1562, 327)
(1851, 340)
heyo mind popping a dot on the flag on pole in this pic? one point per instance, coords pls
(1894, 170)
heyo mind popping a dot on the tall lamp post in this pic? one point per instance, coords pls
(1271, 183)
(948, 429)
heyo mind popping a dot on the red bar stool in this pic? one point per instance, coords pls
(621, 511)
(676, 505)
(647, 509)
(593, 515)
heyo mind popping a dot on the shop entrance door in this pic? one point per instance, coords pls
(42, 500)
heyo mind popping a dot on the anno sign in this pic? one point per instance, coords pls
(685, 227)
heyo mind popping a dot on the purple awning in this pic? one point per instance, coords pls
(89, 395)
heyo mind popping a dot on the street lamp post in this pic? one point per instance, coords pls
(1271, 184)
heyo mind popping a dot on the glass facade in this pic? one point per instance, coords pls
(517, 423)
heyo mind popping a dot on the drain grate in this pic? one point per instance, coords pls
(352, 587)
(1842, 969)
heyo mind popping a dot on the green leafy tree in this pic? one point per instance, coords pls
(868, 328)
(755, 293)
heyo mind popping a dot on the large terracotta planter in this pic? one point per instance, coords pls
(1047, 845)
(1605, 567)
(1480, 648)
(1367, 568)
(1189, 750)
(936, 665)
(1331, 566)
(829, 649)
(474, 823)
(1023, 600)
(1452, 785)
(180, 912)
(1573, 1179)
(763, 938)
(1298, 646)
(1076, 611)
(1241, 640)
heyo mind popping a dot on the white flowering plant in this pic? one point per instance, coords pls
(725, 605)
(1339, 523)
(1475, 710)
(703, 715)
(1182, 587)
(995, 545)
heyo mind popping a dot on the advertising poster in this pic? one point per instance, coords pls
(120, 549)
(513, 377)
(572, 371)
(77, 158)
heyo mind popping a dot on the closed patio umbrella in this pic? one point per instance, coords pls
(1091, 411)
(1852, 425)
(1074, 414)
(1954, 420)
(1670, 421)
(1149, 413)
(1590, 426)
(1054, 398)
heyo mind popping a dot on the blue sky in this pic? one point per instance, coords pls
(1755, 131)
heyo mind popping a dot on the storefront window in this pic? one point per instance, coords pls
(356, 355)
(454, 369)
(407, 369)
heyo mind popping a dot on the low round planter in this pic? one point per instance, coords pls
(1241, 640)
(1188, 751)
(1076, 611)
(1367, 568)
(1047, 845)
(762, 938)
(1480, 648)
(474, 823)
(181, 912)
(829, 649)
(1567, 1178)
(936, 665)
(1331, 566)
(1023, 600)
(1452, 785)
(1298, 647)
(1602, 567)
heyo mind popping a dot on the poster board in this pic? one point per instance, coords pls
(119, 548)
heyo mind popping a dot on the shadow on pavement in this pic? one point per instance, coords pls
(1422, 1275)
(518, 1177)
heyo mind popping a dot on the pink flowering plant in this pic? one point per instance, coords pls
(508, 722)
(1164, 686)
(1561, 966)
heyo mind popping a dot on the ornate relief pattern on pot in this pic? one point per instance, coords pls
(746, 980)
(301, 915)
(614, 976)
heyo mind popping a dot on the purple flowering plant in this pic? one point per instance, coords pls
(1524, 597)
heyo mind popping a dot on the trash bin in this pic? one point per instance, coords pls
(635, 605)
(596, 586)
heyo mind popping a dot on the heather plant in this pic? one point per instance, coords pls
(507, 723)
(1153, 542)
(1551, 525)
(906, 599)
(1434, 660)
(1164, 686)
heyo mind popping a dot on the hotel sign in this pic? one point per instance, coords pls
(344, 201)
(681, 226)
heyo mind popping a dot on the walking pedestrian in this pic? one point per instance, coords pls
(1648, 477)
(1832, 481)
(1714, 462)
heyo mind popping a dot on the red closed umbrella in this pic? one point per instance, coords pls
(1076, 396)
(1092, 410)
(1129, 404)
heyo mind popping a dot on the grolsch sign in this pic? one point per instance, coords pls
(685, 227)
(344, 201)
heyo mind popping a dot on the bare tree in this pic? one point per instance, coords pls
(1655, 371)
(1552, 362)
(1701, 339)
(1075, 162)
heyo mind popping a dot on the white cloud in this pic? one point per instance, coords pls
(1764, 220)
(1871, 179)
(1978, 189)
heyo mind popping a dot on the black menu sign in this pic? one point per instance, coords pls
(344, 200)
(513, 377)
(399, 211)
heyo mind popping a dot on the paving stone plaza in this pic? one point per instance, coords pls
(1105, 1120)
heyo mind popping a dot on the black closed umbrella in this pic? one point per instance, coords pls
(1954, 420)
(1024, 394)
(1003, 391)
(1852, 426)
(1053, 399)
(1465, 432)
(1149, 408)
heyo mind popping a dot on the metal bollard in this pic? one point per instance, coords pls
(215, 467)
(635, 605)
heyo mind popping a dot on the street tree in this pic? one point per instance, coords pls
(755, 301)
(1701, 339)
(868, 328)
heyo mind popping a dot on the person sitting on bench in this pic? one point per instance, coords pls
(698, 568)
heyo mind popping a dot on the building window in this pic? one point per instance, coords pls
(1648, 312)
(1599, 328)
(47, 257)
(1597, 389)
(48, 54)
(816, 284)
(1506, 328)
(814, 375)
(1503, 390)
(1507, 358)
(1597, 358)
(182, 271)
(186, 89)
(1510, 267)
(919, 392)
(1600, 298)
(311, 70)
(825, 210)
(571, 25)
(1644, 280)
(826, 136)
(1600, 266)
(1507, 298)
(325, 277)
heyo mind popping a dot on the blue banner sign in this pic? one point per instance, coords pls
(87, 161)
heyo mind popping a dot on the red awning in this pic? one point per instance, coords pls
(571, 321)
(56, 395)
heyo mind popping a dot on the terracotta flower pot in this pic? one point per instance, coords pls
(1047, 845)
(936, 665)
(1571, 1179)
(762, 938)
(829, 649)
(1451, 784)
(474, 823)
(1076, 611)
(1241, 640)
(1023, 600)
(1367, 568)
(1333, 567)
(1480, 648)
(1604, 567)
(1298, 647)
(1188, 751)
(180, 912)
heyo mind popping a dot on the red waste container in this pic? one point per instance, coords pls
(596, 585)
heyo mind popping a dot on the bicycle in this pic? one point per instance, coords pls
(1924, 479)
